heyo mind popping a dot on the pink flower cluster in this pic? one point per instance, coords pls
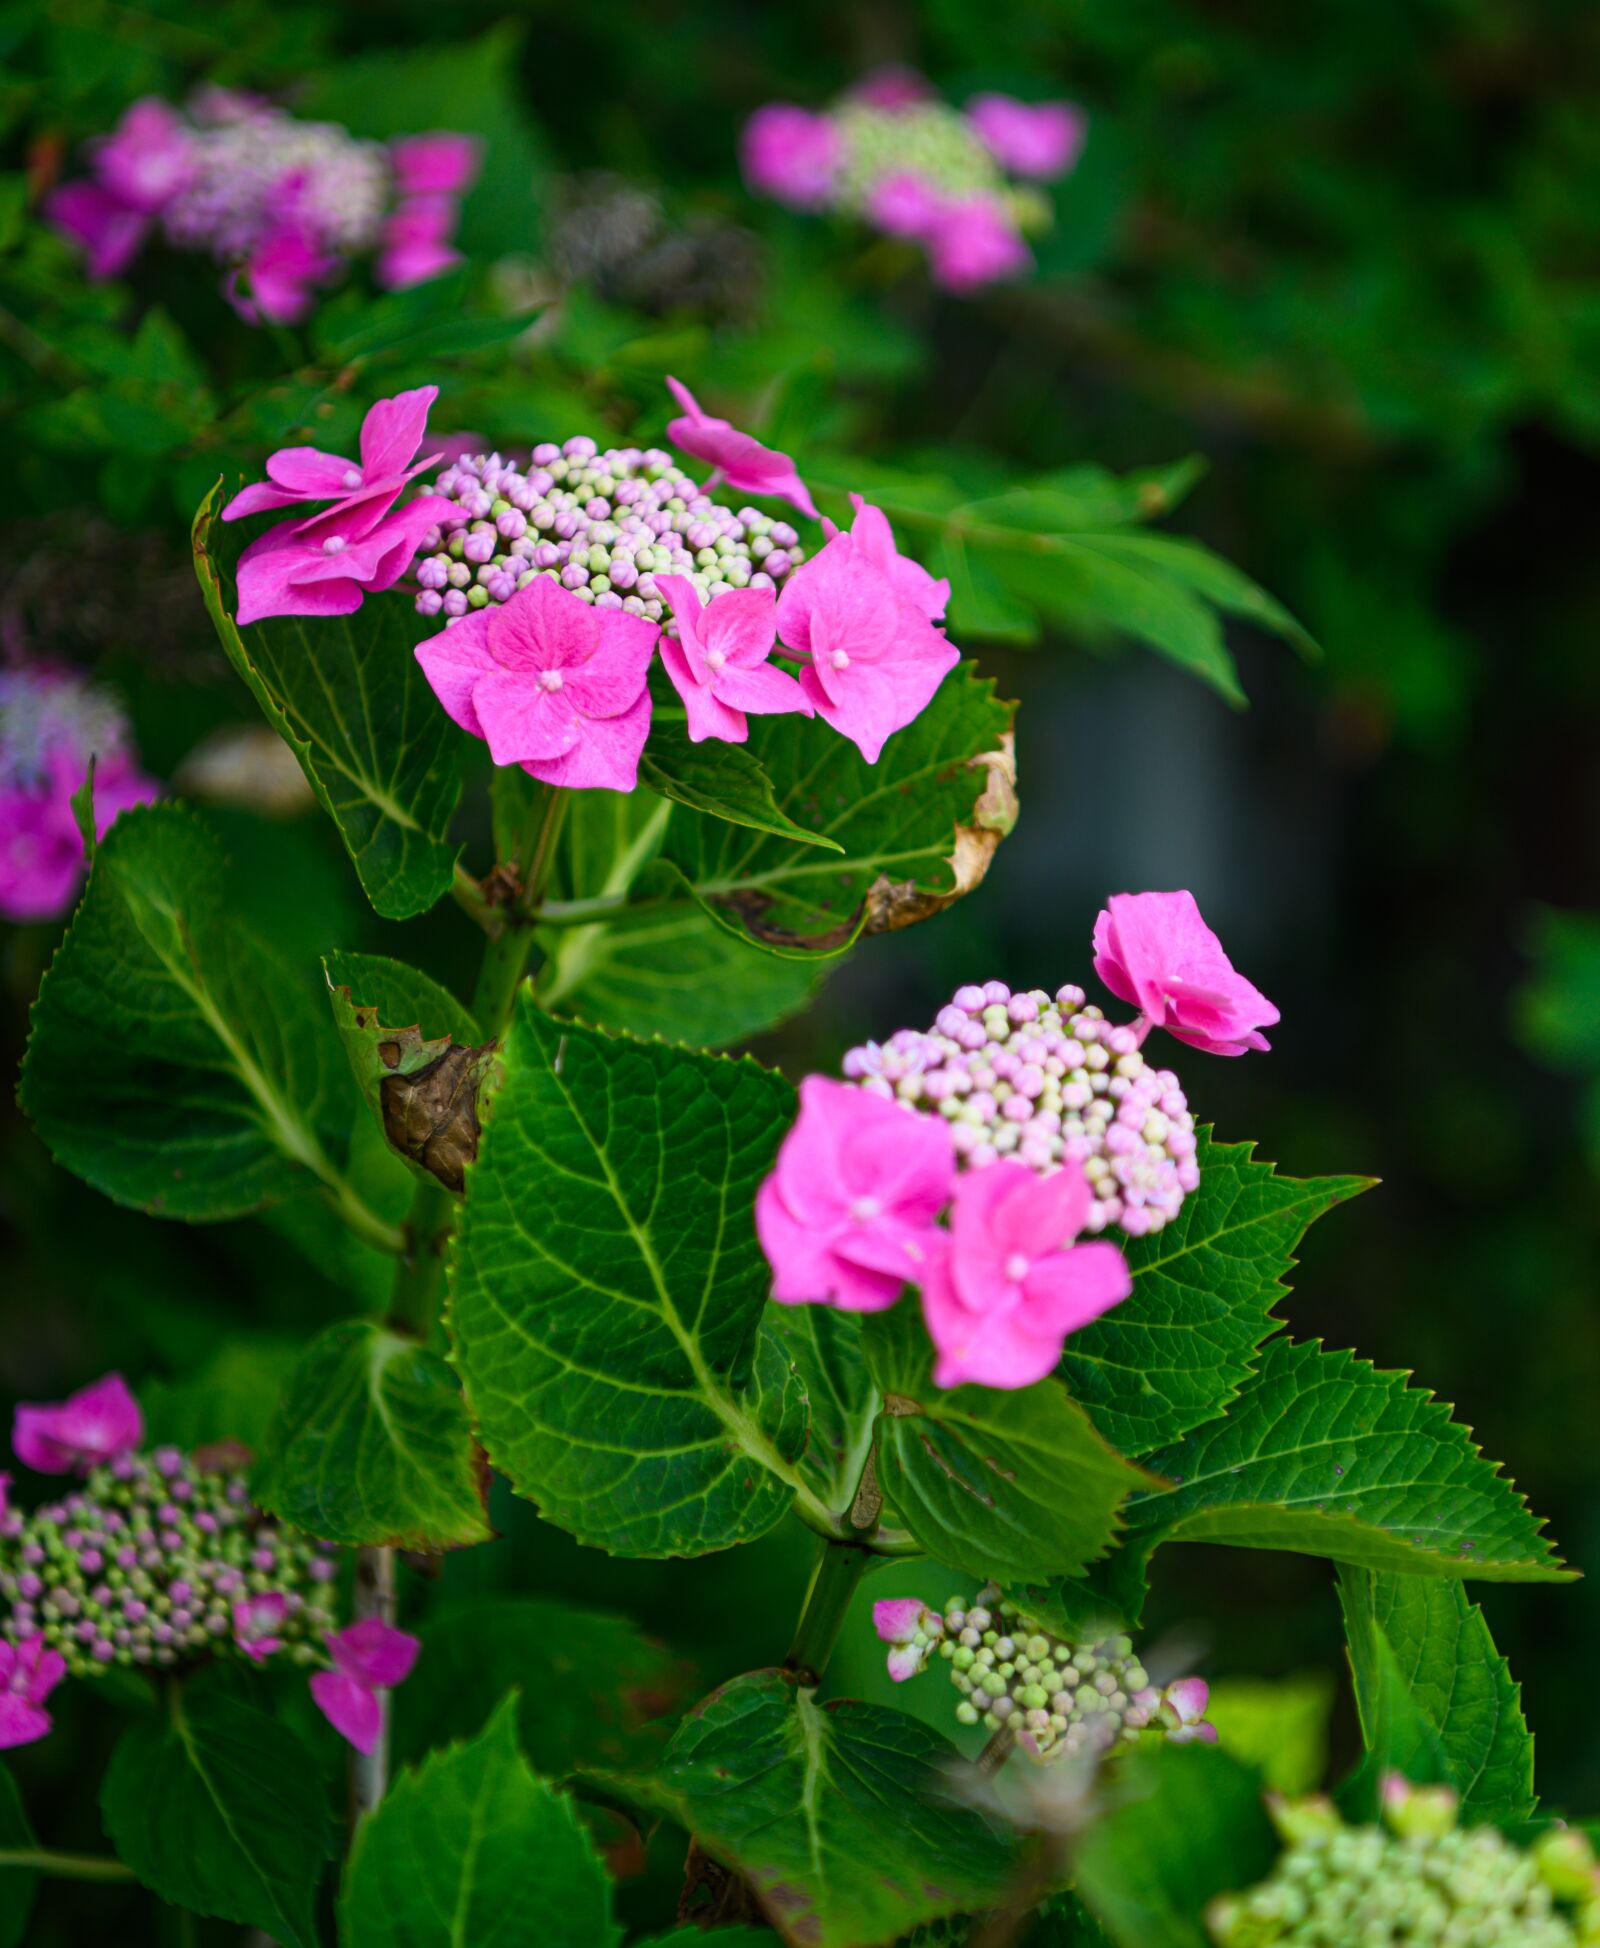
(159, 1560)
(550, 665)
(851, 1213)
(896, 156)
(282, 203)
(51, 724)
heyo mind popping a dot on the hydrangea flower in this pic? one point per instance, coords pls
(875, 659)
(29, 1672)
(718, 660)
(738, 458)
(300, 476)
(848, 1213)
(891, 153)
(93, 1425)
(872, 540)
(281, 204)
(549, 683)
(1156, 952)
(368, 1657)
(51, 724)
(1004, 1292)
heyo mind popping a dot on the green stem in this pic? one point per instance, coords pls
(505, 961)
(372, 1595)
(414, 1298)
(840, 1567)
(361, 1218)
(65, 1866)
(467, 893)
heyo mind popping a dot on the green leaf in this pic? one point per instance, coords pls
(593, 1688)
(175, 1062)
(1278, 1725)
(217, 1807)
(1178, 1348)
(474, 1848)
(916, 830)
(418, 1057)
(347, 696)
(82, 803)
(1014, 1485)
(607, 1292)
(371, 1444)
(230, 1396)
(18, 1885)
(1185, 1824)
(1424, 1634)
(844, 1818)
(724, 780)
(1211, 577)
(825, 1351)
(1324, 1454)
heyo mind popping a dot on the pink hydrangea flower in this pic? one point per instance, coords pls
(550, 683)
(368, 1657)
(974, 243)
(277, 282)
(1009, 1285)
(417, 242)
(256, 1623)
(326, 565)
(872, 539)
(29, 1672)
(1038, 139)
(875, 659)
(299, 475)
(847, 1215)
(718, 660)
(790, 155)
(41, 847)
(738, 458)
(147, 158)
(1155, 951)
(109, 231)
(904, 205)
(80, 1432)
(440, 163)
(911, 1629)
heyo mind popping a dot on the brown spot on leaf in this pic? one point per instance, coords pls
(388, 1052)
(432, 1116)
(891, 906)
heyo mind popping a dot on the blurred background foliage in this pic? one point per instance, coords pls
(1348, 256)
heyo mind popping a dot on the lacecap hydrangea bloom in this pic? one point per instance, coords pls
(1062, 1700)
(51, 724)
(1419, 1878)
(158, 1561)
(557, 580)
(283, 204)
(959, 183)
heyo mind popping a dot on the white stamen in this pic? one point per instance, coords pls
(1016, 1268)
(334, 545)
(865, 1209)
(352, 477)
(840, 660)
(549, 679)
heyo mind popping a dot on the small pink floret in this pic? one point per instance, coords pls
(790, 155)
(89, 1427)
(738, 458)
(1038, 139)
(1156, 952)
(718, 660)
(29, 1672)
(368, 1657)
(848, 1215)
(973, 243)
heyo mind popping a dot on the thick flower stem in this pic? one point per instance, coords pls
(414, 1297)
(505, 962)
(65, 1866)
(372, 1596)
(840, 1567)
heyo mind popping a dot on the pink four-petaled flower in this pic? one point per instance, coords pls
(549, 683)
(29, 1672)
(1039, 139)
(302, 475)
(1007, 1286)
(718, 660)
(790, 155)
(368, 1657)
(1156, 952)
(738, 458)
(78, 1433)
(847, 1215)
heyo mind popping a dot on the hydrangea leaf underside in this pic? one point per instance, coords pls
(348, 697)
(371, 1444)
(473, 1847)
(607, 1291)
(175, 1063)
(1176, 1351)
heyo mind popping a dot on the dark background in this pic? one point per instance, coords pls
(1352, 257)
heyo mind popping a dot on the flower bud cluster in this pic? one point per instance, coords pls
(1419, 1878)
(602, 524)
(158, 1561)
(1061, 1699)
(45, 711)
(1047, 1080)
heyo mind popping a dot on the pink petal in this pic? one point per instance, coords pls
(351, 1709)
(1041, 1214)
(974, 243)
(374, 1652)
(683, 599)
(109, 231)
(522, 721)
(873, 538)
(897, 1619)
(1041, 139)
(743, 625)
(1189, 1696)
(748, 466)
(311, 474)
(21, 1723)
(613, 678)
(543, 627)
(807, 1272)
(85, 1429)
(440, 163)
(606, 756)
(765, 692)
(907, 1661)
(454, 661)
(392, 431)
(790, 155)
(904, 205)
(708, 716)
(1069, 1288)
(260, 497)
(1155, 950)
